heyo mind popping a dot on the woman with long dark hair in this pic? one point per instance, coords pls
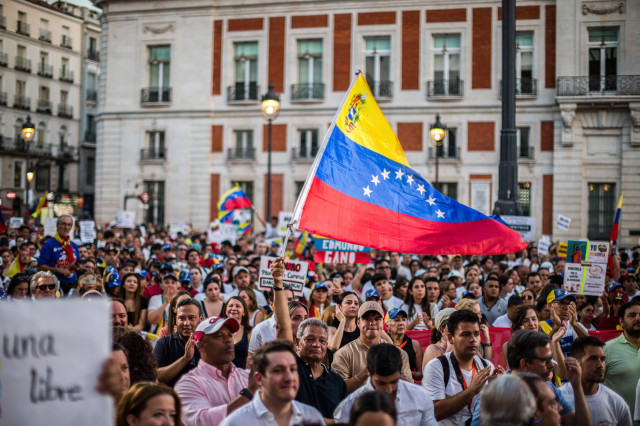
(19, 288)
(136, 305)
(345, 327)
(417, 305)
(214, 301)
(236, 308)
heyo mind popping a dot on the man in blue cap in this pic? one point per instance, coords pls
(562, 306)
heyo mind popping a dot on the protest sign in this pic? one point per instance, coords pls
(562, 249)
(284, 219)
(15, 222)
(50, 361)
(543, 244)
(576, 251)
(176, 227)
(333, 251)
(126, 219)
(87, 231)
(563, 222)
(295, 274)
(586, 267)
(524, 225)
(219, 232)
(50, 226)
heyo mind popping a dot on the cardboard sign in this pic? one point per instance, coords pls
(543, 244)
(88, 231)
(524, 225)
(126, 219)
(562, 249)
(586, 267)
(577, 251)
(219, 232)
(295, 274)
(563, 222)
(284, 219)
(50, 226)
(15, 222)
(50, 360)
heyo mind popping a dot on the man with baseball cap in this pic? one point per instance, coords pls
(242, 280)
(158, 313)
(630, 284)
(215, 388)
(350, 362)
(562, 306)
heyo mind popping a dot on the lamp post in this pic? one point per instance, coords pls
(28, 132)
(270, 111)
(437, 133)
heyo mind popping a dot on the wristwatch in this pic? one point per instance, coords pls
(246, 393)
(277, 288)
(487, 344)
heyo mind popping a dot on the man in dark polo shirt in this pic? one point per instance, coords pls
(319, 387)
(176, 353)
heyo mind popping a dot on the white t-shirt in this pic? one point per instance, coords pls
(154, 303)
(592, 328)
(417, 312)
(502, 321)
(393, 302)
(262, 333)
(433, 382)
(606, 406)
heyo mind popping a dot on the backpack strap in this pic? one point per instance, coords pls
(445, 369)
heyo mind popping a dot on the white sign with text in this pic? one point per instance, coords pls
(295, 274)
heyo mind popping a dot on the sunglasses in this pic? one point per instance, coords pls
(544, 360)
(528, 297)
(44, 287)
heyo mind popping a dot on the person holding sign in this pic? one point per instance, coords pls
(59, 255)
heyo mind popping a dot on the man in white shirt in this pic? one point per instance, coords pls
(276, 372)
(606, 406)
(266, 331)
(413, 403)
(504, 321)
(383, 287)
(455, 379)
(242, 280)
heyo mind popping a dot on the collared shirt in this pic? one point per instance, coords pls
(494, 311)
(263, 332)
(623, 369)
(413, 403)
(255, 413)
(169, 349)
(205, 393)
(323, 393)
(352, 358)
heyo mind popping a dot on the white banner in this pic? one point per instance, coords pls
(295, 274)
(50, 361)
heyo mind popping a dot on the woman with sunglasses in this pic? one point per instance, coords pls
(19, 288)
(528, 297)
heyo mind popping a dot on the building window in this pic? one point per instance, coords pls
(159, 74)
(524, 148)
(66, 38)
(90, 131)
(446, 66)
(246, 72)
(299, 187)
(377, 53)
(43, 177)
(525, 198)
(155, 212)
(92, 93)
(308, 143)
(90, 170)
(244, 149)
(525, 84)
(92, 53)
(603, 59)
(155, 146)
(309, 70)
(247, 187)
(22, 26)
(449, 189)
(17, 174)
(45, 34)
(41, 135)
(601, 210)
(62, 135)
(449, 147)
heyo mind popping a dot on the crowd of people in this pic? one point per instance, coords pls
(196, 341)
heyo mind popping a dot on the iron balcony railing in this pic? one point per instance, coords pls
(154, 95)
(44, 106)
(45, 70)
(242, 155)
(608, 85)
(151, 154)
(93, 55)
(241, 92)
(445, 153)
(66, 75)
(66, 42)
(22, 102)
(22, 28)
(45, 35)
(307, 91)
(4, 59)
(18, 146)
(445, 88)
(305, 154)
(23, 64)
(524, 87)
(92, 95)
(381, 89)
(526, 152)
(65, 111)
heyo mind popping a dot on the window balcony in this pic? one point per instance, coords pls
(525, 88)
(243, 93)
(90, 136)
(3, 98)
(445, 88)
(65, 111)
(307, 92)
(45, 70)
(66, 75)
(44, 106)
(381, 89)
(66, 42)
(155, 95)
(304, 155)
(599, 86)
(22, 102)
(4, 59)
(92, 95)
(3, 22)
(153, 154)
(22, 64)
(93, 55)
(445, 153)
(22, 28)
(245, 155)
(45, 35)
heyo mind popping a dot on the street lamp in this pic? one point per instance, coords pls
(437, 133)
(28, 132)
(270, 110)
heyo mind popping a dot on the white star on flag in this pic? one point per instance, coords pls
(375, 180)
(421, 189)
(431, 200)
(385, 174)
(399, 174)
(367, 191)
(410, 179)
(440, 214)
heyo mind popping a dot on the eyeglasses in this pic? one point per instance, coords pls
(544, 360)
(44, 287)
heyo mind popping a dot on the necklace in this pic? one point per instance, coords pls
(438, 346)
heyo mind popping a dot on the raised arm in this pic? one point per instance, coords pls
(281, 311)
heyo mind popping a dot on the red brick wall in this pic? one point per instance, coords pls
(523, 12)
(217, 57)
(309, 21)
(276, 193)
(376, 18)
(251, 24)
(276, 53)
(481, 55)
(341, 52)
(411, 50)
(547, 204)
(410, 136)
(216, 139)
(447, 15)
(480, 136)
(546, 136)
(214, 195)
(550, 47)
(278, 138)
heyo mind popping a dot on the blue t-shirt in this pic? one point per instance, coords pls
(52, 254)
(567, 340)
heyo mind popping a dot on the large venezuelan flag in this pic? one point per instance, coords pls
(233, 199)
(361, 190)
